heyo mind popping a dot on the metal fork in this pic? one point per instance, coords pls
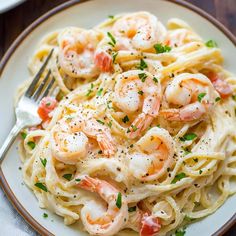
(26, 110)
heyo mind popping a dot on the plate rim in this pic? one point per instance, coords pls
(6, 57)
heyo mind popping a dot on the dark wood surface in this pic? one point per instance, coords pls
(13, 22)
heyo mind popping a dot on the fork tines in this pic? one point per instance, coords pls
(38, 92)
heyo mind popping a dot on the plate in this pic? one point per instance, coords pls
(13, 71)
(6, 5)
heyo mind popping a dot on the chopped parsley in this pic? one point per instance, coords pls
(217, 99)
(114, 55)
(100, 152)
(23, 135)
(119, 200)
(134, 127)
(90, 90)
(195, 159)
(201, 96)
(125, 119)
(43, 161)
(234, 97)
(180, 232)
(99, 92)
(109, 124)
(187, 218)
(45, 215)
(140, 92)
(186, 151)
(200, 172)
(111, 16)
(67, 176)
(41, 186)
(188, 137)
(48, 104)
(155, 79)
(108, 104)
(31, 144)
(113, 41)
(77, 180)
(142, 65)
(178, 177)
(211, 44)
(162, 48)
(101, 122)
(142, 76)
(132, 209)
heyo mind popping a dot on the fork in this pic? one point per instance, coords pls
(26, 110)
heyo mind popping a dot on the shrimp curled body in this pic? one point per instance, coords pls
(99, 219)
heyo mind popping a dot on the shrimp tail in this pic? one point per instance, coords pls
(103, 61)
(139, 125)
(150, 225)
(106, 144)
(221, 86)
(87, 183)
(187, 113)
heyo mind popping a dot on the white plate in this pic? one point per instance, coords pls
(14, 72)
(6, 5)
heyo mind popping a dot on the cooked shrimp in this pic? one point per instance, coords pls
(76, 52)
(46, 105)
(135, 31)
(135, 89)
(154, 155)
(194, 92)
(221, 86)
(142, 29)
(69, 141)
(144, 222)
(101, 219)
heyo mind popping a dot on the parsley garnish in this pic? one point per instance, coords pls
(161, 48)
(45, 215)
(200, 172)
(217, 99)
(201, 96)
(186, 151)
(140, 92)
(43, 161)
(77, 180)
(99, 92)
(90, 90)
(111, 16)
(67, 176)
(114, 55)
(31, 144)
(108, 104)
(100, 152)
(125, 119)
(142, 76)
(109, 124)
(155, 79)
(142, 65)
(211, 44)
(23, 135)
(188, 137)
(195, 159)
(180, 232)
(234, 97)
(48, 104)
(101, 122)
(134, 127)
(113, 41)
(178, 177)
(132, 209)
(41, 186)
(118, 200)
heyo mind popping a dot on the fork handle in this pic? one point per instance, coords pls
(9, 140)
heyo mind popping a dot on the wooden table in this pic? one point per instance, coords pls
(13, 22)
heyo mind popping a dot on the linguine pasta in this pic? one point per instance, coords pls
(142, 135)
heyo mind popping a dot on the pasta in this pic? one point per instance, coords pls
(139, 133)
